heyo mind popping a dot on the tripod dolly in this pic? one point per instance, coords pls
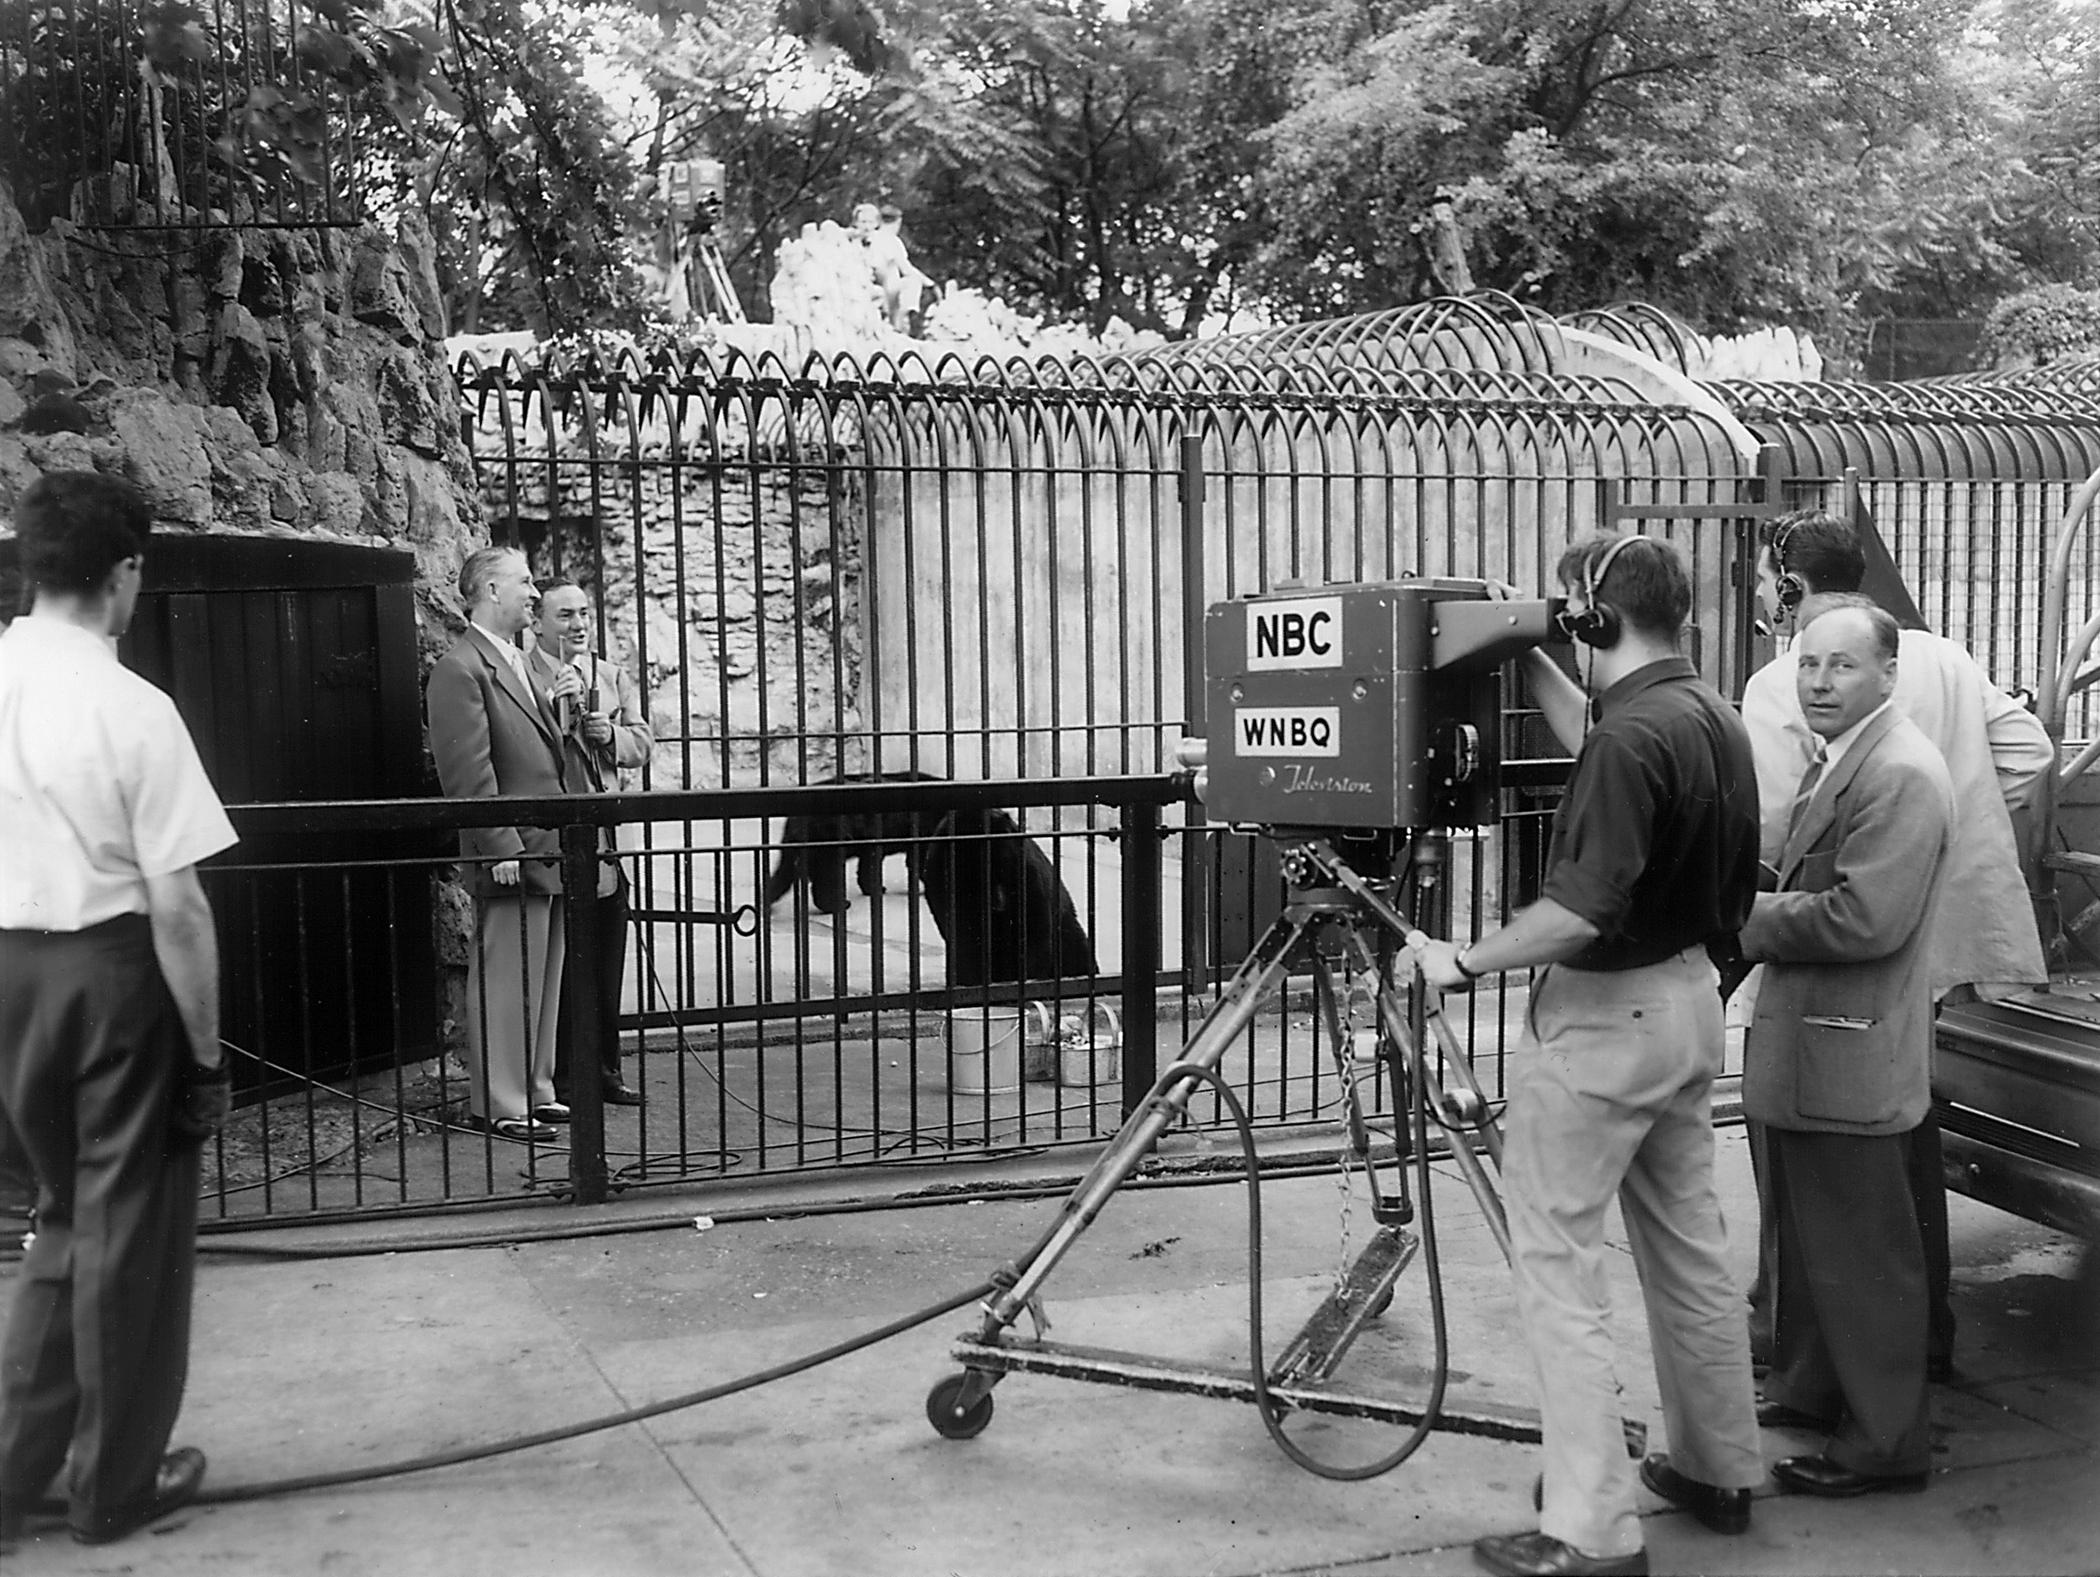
(1334, 912)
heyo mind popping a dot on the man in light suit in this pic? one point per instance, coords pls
(605, 732)
(492, 732)
(1838, 1066)
(1984, 937)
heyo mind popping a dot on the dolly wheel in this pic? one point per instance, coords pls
(952, 1421)
(1384, 1301)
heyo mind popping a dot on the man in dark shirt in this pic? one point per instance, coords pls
(1654, 854)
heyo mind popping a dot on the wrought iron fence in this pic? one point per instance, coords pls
(904, 588)
(757, 1047)
(826, 569)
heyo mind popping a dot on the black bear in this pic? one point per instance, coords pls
(814, 849)
(999, 904)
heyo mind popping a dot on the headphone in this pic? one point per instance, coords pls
(1791, 588)
(1598, 624)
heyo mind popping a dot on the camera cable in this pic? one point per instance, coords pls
(1265, 1401)
(633, 1415)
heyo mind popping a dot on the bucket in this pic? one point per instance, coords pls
(984, 1049)
(1089, 1046)
(1039, 1045)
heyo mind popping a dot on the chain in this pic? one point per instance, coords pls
(1351, 1067)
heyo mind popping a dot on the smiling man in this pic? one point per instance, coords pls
(605, 732)
(1837, 1066)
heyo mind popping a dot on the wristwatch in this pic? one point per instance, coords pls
(1464, 968)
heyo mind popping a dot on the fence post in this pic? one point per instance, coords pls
(1141, 950)
(580, 1029)
(1199, 877)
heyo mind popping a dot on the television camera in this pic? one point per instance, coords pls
(1356, 725)
(1371, 707)
(692, 192)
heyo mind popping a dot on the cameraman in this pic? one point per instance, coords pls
(109, 1019)
(1653, 855)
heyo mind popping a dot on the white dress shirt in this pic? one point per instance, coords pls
(100, 785)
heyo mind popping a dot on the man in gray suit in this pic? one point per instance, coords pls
(1838, 1066)
(493, 732)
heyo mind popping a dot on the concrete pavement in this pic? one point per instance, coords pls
(305, 1365)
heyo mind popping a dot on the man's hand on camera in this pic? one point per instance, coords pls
(203, 1097)
(1440, 966)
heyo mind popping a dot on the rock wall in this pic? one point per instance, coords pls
(250, 381)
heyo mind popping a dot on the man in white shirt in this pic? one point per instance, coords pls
(109, 1013)
(1984, 938)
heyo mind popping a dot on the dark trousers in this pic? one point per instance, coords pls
(611, 940)
(96, 1353)
(1925, 1175)
(17, 1182)
(1848, 1313)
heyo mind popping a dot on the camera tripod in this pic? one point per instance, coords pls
(1335, 914)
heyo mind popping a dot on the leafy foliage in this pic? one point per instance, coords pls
(215, 110)
(2048, 323)
(1823, 162)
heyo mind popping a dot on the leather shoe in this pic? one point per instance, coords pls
(1542, 1555)
(618, 1093)
(522, 1129)
(551, 1112)
(1722, 1510)
(175, 1485)
(1818, 1475)
(1777, 1415)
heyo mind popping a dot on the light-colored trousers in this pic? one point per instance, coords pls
(1611, 1094)
(514, 1004)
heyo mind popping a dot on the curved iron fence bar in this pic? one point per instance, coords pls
(1416, 387)
(1569, 397)
(1425, 334)
(1954, 401)
(1645, 328)
(2062, 436)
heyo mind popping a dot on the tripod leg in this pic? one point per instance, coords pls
(1427, 1088)
(1251, 985)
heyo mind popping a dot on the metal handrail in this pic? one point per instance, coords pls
(278, 818)
(2053, 698)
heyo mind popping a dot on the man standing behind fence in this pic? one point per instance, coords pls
(492, 732)
(604, 732)
(109, 1020)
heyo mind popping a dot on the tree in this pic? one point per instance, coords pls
(1822, 162)
(1723, 160)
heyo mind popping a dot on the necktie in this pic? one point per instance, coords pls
(1807, 791)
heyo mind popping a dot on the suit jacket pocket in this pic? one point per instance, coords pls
(1848, 1069)
(1816, 872)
